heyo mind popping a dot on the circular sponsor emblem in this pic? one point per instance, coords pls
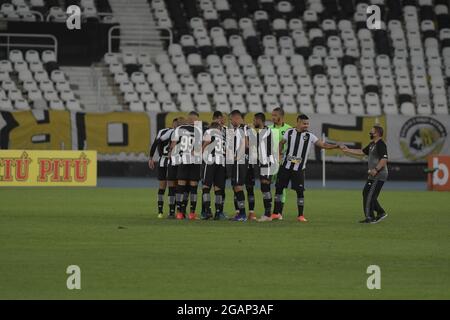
(422, 136)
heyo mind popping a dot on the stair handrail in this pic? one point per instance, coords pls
(37, 13)
(8, 44)
(96, 84)
(112, 37)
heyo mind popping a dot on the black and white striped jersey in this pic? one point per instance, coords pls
(162, 144)
(188, 148)
(261, 146)
(214, 152)
(236, 143)
(298, 146)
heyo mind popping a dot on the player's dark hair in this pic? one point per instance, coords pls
(280, 110)
(217, 115)
(194, 113)
(260, 116)
(236, 113)
(302, 117)
(181, 121)
(175, 120)
(215, 125)
(379, 129)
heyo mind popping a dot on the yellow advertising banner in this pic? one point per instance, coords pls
(48, 168)
(49, 131)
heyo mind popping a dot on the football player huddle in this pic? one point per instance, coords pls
(192, 151)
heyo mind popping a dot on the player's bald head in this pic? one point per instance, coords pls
(277, 115)
(193, 116)
(279, 110)
(181, 121)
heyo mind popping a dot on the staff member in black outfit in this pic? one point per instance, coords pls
(378, 174)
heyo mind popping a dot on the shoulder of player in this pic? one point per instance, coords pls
(290, 130)
(209, 131)
(266, 130)
(181, 131)
(214, 131)
(242, 127)
(381, 147)
(312, 135)
(189, 127)
(161, 132)
(166, 133)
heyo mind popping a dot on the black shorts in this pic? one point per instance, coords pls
(238, 174)
(162, 173)
(251, 175)
(257, 172)
(172, 173)
(189, 172)
(214, 174)
(297, 178)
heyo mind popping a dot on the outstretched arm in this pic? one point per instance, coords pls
(324, 145)
(172, 145)
(151, 162)
(381, 164)
(205, 144)
(354, 152)
(280, 148)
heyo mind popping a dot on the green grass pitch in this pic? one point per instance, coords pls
(124, 251)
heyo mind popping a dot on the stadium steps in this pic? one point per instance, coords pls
(138, 28)
(92, 87)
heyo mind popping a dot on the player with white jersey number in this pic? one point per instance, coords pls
(186, 152)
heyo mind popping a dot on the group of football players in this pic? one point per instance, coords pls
(192, 151)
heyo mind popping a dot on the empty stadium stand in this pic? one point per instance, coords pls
(53, 10)
(30, 80)
(311, 56)
(308, 56)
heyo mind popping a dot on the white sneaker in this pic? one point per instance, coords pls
(264, 218)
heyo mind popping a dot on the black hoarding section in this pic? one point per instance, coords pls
(11, 123)
(75, 47)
